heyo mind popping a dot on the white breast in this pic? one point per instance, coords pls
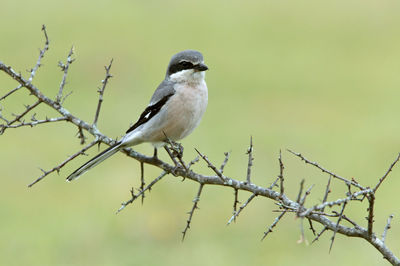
(179, 116)
(186, 108)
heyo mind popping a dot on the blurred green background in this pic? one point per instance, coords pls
(319, 77)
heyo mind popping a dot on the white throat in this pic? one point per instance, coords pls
(188, 76)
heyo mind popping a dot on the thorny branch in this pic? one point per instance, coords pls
(18, 118)
(64, 68)
(235, 203)
(387, 173)
(320, 234)
(210, 165)
(337, 223)
(36, 67)
(141, 191)
(387, 227)
(300, 191)
(195, 203)
(101, 91)
(61, 165)
(269, 230)
(250, 163)
(327, 190)
(353, 182)
(236, 214)
(281, 168)
(142, 182)
(311, 226)
(36, 122)
(221, 169)
(313, 212)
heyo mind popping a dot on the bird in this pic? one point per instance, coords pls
(174, 111)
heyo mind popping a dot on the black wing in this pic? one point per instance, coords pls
(149, 112)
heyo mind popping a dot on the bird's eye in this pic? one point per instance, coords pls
(186, 64)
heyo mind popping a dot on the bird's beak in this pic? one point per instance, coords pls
(201, 67)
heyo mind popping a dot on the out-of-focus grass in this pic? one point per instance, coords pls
(320, 78)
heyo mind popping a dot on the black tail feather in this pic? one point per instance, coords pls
(94, 161)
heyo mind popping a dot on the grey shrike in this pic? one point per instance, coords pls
(175, 108)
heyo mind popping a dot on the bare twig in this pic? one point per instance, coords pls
(61, 165)
(348, 219)
(9, 124)
(41, 54)
(337, 224)
(235, 202)
(371, 201)
(300, 191)
(348, 189)
(101, 92)
(303, 199)
(28, 108)
(387, 227)
(142, 182)
(236, 214)
(269, 230)
(327, 191)
(326, 171)
(135, 196)
(274, 184)
(221, 169)
(65, 97)
(320, 234)
(210, 165)
(34, 123)
(250, 162)
(64, 68)
(195, 203)
(3, 118)
(281, 168)
(36, 67)
(311, 226)
(334, 203)
(296, 210)
(192, 162)
(10, 92)
(387, 173)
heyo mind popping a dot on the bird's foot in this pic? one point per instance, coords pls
(155, 154)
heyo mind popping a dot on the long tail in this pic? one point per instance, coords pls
(95, 161)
